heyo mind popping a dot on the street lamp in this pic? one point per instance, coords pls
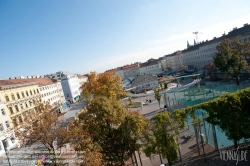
(6, 150)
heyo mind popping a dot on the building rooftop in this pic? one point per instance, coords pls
(131, 66)
(142, 79)
(149, 63)
(39, 81)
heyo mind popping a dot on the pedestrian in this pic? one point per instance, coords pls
(150, 101)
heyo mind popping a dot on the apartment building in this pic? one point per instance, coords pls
(82, 79)
(151, 67)
(202, 53)
(131, 70)
(71, 88)
(6, 132)
(18, 97)
(63, 104)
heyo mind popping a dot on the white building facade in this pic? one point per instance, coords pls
(202, 53)
(71, 88)
(119, 72)
(151, 67)
(131, 70)
(82, 79)
(63, 104)
(6, 132)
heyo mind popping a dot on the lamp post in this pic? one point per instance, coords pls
(6, 150)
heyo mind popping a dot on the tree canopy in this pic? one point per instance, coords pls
(231, 113)
(164, 129)
(45, 129)
(157, 95)
(231, 57)
(105, 84)
(108, 125)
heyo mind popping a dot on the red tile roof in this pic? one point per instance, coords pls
(131, 66)
(40, 81)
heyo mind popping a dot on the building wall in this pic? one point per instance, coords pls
(82, 80)
(204, 54)
(49, 94)
(120, 74)
(6, 132)
(152, 69)
(4, 120)
(163, 63)
(20, 107)
(62, 101)
(70, 85)
(132, 71)
(178, 61)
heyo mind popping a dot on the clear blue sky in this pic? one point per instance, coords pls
(41, 37)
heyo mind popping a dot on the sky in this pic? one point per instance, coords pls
(79, 36)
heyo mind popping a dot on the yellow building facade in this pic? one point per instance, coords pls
(18, 99)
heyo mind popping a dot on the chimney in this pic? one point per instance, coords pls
(22, 77)
(214, 37)
(29, 77)
(11, 78)
(235, 28)
(245, 24)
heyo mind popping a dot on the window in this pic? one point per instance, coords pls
(34, 91)
(14, 121)
(1, 127)
(21, 106)
(30, 103)
(20, 119)
(27, 93)
(3, 112)
(17, 109)
(18, 96)
(37, 90)
(23, 95)
(26, 105)
(7, 98)
(30, 92)
(12, 96)
(24, 116)
(11, 110)
(7, 123)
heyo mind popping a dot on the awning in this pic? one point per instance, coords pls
(78, 96)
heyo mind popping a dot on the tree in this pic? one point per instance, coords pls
(87, 150)
(158, 96)
(85, 94)
(46, 129)
(231, 113)
(231, 57)
(105, 84)
(212, 71)
(165, 128)
(108, 125)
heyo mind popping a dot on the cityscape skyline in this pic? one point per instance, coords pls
(43, 37)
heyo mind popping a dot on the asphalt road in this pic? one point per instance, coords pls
(71, 113)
